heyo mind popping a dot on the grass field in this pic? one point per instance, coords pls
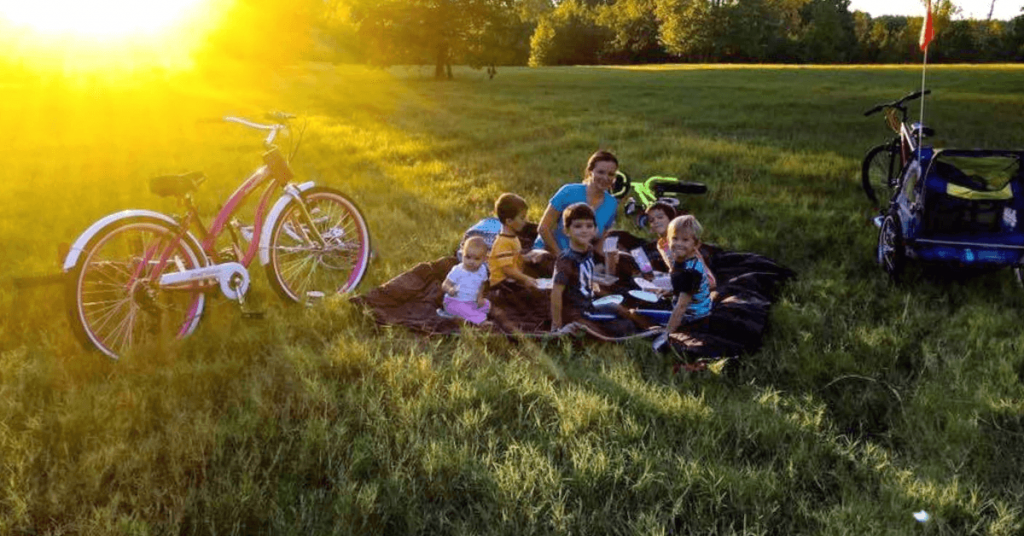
(867, 403)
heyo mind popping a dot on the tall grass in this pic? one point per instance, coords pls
(868, 401)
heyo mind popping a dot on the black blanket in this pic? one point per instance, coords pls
(747, 284)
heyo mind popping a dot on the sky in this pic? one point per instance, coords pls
(970, 9)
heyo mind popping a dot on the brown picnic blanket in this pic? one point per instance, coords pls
(747, 283)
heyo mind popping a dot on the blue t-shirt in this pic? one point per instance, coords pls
(577, 193)
(691, 277)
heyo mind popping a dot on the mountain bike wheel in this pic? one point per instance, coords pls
(878, 174)
(114, 301)
(300, 269)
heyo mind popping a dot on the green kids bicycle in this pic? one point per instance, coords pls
(651, 191)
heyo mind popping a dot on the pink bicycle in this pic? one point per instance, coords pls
(136, 275)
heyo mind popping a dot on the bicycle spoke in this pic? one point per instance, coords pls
(104, 320)
(331, 263)
(103, 315)
(106, 306)
(298, 224)
(303, 265)
(117, 268)
(99, 309)
(96, 297)
(119, 304)
(124, 330)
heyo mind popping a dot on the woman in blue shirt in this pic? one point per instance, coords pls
(599, 177)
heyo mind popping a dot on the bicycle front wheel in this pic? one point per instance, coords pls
(304, 267)
(878, 175)
(113, 293)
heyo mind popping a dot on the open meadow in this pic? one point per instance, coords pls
(868, 401)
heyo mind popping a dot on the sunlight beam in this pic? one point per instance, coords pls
(96, 19)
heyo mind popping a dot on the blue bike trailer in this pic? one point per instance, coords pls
(968, 208)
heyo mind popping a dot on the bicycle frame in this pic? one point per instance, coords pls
(905, 133)
(654, 188)
(644, 193)
(274, 176)
(209, 238)
(908, 142)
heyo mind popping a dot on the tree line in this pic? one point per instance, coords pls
(489, 33)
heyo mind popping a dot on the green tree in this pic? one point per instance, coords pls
(959, 43)
(634, 29)
(759, 30)
(433, 31)
(736, 30)
(1013, 41)
(989, 34)
(570, 35)
(867, 50)
(828, 34)
(337, 31)
(889, 36)
(691, 29)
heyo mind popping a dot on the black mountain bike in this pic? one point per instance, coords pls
(884, 163)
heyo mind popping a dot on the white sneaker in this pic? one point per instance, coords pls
(445, 314)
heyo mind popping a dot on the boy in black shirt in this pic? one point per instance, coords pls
(573, 287)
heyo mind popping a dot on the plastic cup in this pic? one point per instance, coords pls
(611, 254)
(642, 261)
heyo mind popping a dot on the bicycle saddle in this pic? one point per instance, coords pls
(925, 131)
(176, 185)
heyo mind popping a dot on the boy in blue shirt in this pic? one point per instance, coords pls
(690, 277)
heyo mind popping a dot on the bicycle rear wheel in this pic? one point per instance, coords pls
(878, 175)
(113, 296)
(300, 268)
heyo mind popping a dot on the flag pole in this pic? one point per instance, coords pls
(927, 34)
(920, 129)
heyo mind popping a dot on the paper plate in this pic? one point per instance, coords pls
(608, 300)
(544, 283)
(643, 295)
(663, 282)
(644, 284)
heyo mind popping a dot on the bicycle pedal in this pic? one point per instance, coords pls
(253, 315)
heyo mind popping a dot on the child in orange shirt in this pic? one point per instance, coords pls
(506, 259)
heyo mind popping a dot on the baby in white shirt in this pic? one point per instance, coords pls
(466, 283)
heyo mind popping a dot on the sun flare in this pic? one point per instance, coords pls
(104, 35)
(97, 19)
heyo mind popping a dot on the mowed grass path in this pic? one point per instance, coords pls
(867, 403)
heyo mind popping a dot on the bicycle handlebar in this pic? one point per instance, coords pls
(681, 187)
(898, 104)
(250, 124)
(274, 128)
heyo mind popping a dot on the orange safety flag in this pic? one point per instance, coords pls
(927, 30)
